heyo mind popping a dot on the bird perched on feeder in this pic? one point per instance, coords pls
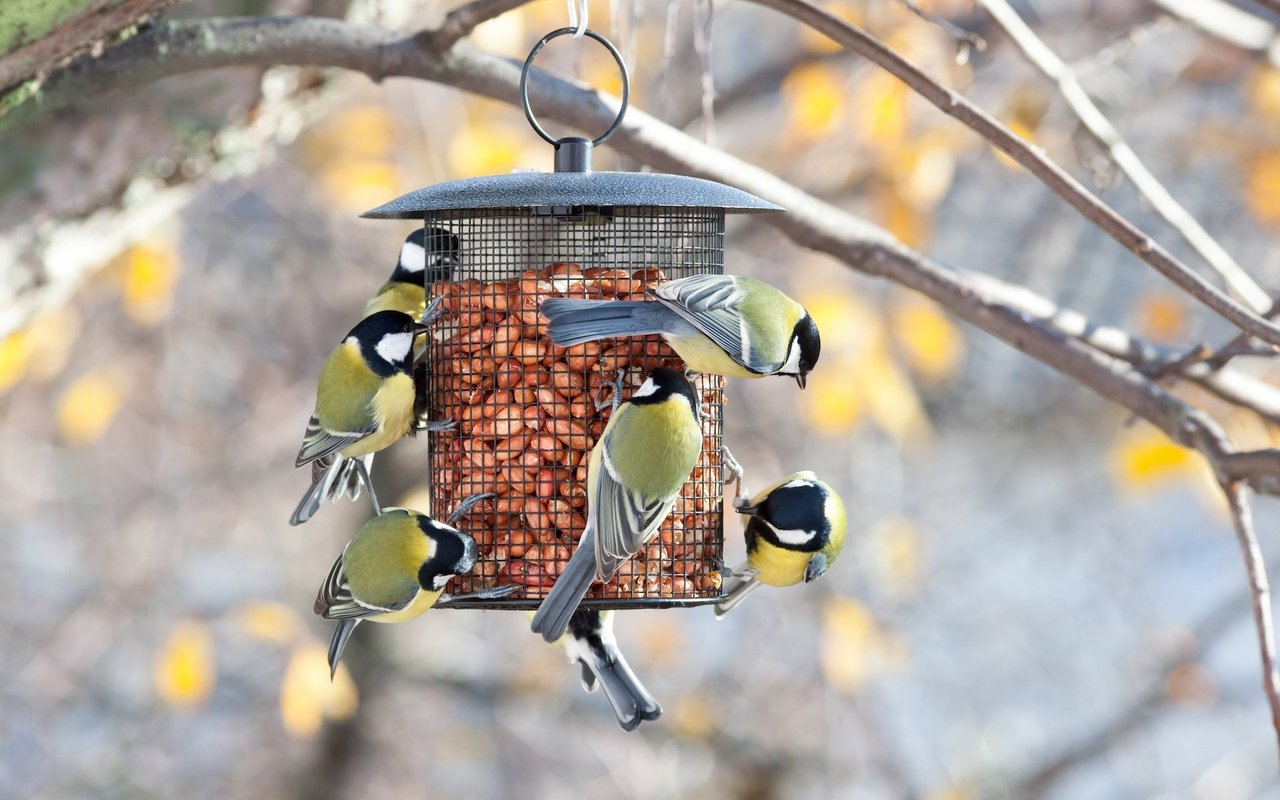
(395, 568)
(634, 476)
(590, 643)
(794, 531)
(722, 324)
(364, 403)
(425, 257)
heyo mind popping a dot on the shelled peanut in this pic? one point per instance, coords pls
(528, 414)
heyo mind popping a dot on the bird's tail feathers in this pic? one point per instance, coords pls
(631, 702)
(339, 643)
(572, 321)
(745, 580)
(331, 477)
(552, 617)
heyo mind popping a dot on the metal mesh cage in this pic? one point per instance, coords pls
(528, 413)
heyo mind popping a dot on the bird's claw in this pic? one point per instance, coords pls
(492, 593)
(465, 506)
(433, 312)
(616, 399)
(435, 426)
(732, 472)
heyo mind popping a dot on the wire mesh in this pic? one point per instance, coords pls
(528, 413)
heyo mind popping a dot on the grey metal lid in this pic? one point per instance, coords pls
(542, 189)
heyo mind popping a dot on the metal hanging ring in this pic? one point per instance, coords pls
(524, 84)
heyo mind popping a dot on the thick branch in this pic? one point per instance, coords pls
(1124, 156)
(1031, 157)
(464, 19)
(90, 28)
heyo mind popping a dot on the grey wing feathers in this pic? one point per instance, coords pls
(318, 443)
(710, 304)
(623, 521)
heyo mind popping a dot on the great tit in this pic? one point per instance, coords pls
(425, 257)
(364, 403)
(794, 532)
(590, 643)
(634, 476)
(722, 324)
(394, 569)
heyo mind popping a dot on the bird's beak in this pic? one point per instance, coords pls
(801, 379)
(420, 327)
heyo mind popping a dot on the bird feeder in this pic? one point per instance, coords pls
(528, 413)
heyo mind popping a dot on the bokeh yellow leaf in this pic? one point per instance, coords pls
(15, 354)
(891, 398)
(923, 169)
(693, 717)
(816, 42)
(358, 184)
(880, 117)
(1262, 186)
(1162, 315)
(266, 620)
(147, 282)
(855, 648)
(1144, 457)
(930, 341)
(308, 697)
(814, 98)
(51, 339)
(87, 407)
(1264, 93)
(185, 673)
(896, 546)
(486, 149)
(908, 224)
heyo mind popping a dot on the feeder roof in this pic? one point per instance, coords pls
(551, 189)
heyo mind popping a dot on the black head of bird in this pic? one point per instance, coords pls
(805, 347)
(386, 341)
(454, 553)
(662, 384)
(430, 255)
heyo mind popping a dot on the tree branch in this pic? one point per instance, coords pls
(464, 19)
(1033, 158)
(1147, 185)
(1259, 593)
(1228, 23)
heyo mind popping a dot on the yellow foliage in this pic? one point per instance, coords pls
(854, 647)
(1162, 315)
(15, 354)
(860, 376)
(922, 170)
(896, 544)
(308, 697)
(880, 116)
(486, 149)
(185, 673)
(272, 622)
(1262, 186)
(147, 282)
(814, 98)
(1264, 93)
(365, 131)
(816, 42)
(87, 407)
(51, 338)
(358, 184)
(694, 718)
(931, 343)
(902, 219)
(1145, 457)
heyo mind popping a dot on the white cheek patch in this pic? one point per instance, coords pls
(647, 388)
(412, 257)
(439, 581)
(792, 366)
(395, 346)
(793, 537)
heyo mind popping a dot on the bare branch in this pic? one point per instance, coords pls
(1259, 593)
(1033, 158)
(1228, 23)
(464, 19)
(1124, 157)
(967, 38)
(88, 29)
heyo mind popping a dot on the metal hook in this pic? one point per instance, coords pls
(524, 83)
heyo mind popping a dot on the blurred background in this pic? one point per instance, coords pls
(1039, 598)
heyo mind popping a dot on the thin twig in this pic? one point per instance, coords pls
(464, 19)
(1131, 40)
(1259, 593)
(1124, 156)
(1228, 23)
(1033, 158)
(969, 38)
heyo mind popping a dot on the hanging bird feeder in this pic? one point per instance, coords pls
(528, 413)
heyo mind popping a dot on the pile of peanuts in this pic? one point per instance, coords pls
(528, 414)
